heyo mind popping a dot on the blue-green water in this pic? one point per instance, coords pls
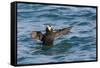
(79, 45)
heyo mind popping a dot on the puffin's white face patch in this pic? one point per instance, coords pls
(49, 27)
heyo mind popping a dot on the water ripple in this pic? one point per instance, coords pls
(80, 45)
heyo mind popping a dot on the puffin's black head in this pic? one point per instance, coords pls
(49, 28)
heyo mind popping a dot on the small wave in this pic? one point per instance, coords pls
(80, 45)
(83, 23)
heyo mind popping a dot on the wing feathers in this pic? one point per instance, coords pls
(37, 35)
(63, 31)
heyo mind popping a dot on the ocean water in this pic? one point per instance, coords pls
(79, 45)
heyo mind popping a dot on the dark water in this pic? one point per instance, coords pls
(80, 45)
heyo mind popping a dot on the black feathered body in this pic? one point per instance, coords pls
(48, 38)
(50, 35)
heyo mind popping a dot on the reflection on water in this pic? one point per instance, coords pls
(79, 45)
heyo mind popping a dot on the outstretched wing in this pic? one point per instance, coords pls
(63, 31)
(37, 35)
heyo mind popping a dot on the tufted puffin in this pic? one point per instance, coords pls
(49, 36)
